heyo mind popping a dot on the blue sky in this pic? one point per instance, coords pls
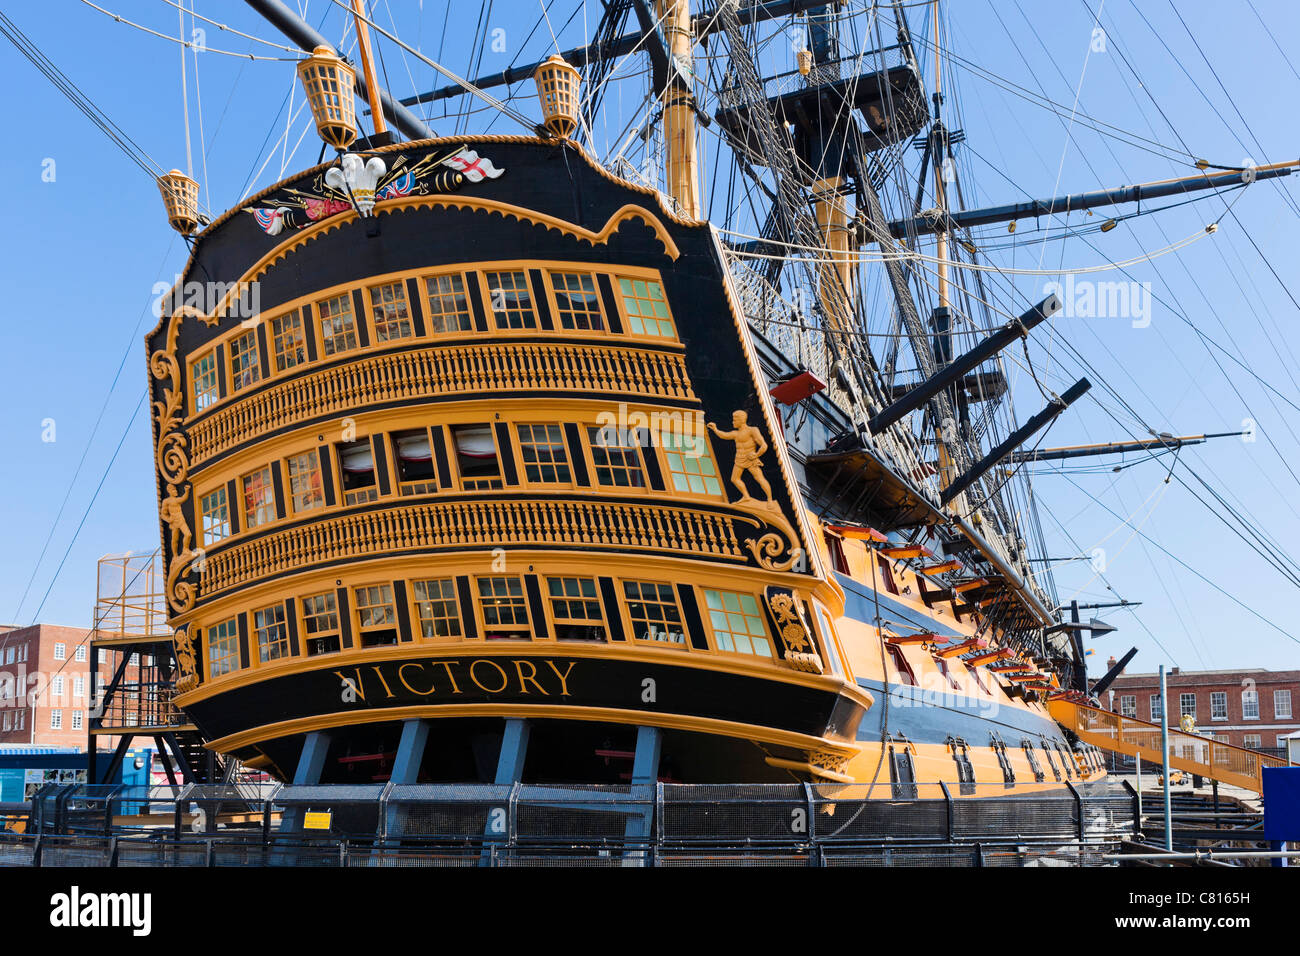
(85, 242)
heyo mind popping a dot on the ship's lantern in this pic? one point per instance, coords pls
(181, 197)
(557, 88)
(330, 86)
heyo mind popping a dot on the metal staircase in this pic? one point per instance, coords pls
(130, 636)
(1192, 753)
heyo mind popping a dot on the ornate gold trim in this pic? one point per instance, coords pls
(186, 659)
(171, 456)
(792, 628)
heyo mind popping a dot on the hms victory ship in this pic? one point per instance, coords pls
(497, 459)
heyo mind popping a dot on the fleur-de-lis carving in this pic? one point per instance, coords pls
(356, 178)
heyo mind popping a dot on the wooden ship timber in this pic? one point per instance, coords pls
(479, 468)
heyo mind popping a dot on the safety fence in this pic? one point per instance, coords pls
(47, 850)
(558, 825)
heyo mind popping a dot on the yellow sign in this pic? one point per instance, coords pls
(316, 821)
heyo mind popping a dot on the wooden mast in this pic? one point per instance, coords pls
(947, 472)
(681, 164)
(368, 65)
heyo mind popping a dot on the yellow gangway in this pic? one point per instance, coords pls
(1190, 752)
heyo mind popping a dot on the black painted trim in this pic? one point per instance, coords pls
(691, 613)
(506, 453)
(415, 303)
(536, 609)
(379, 449)
(465, 600)
(405, 628)
(361, 317)
(541, 301)
(291, 622)
(438, 442)
(345, 617)
(578, 461)
(613, 615)
(609, 299)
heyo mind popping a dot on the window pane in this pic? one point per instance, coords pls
(647, 309)
(617, 458)
(288, 341)
(577, 301)
(259, 498)
(245, 366)
(448, 304)
(376, 615)
(305, 489)
(216, 516)
(737, 623)
(272, 635)
(388, 308)
(576, 609)
(653, 611)
(437, 609)
(223, 648)
(338, 330)
(511, 300)
(544, 454)
(204, 374)
(505, 610)
(320, 622)
(690, 464)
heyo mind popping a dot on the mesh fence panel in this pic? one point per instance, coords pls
(707, 813)
(705, 857)
(578, 813)
(74, 851)
(577, 857)
(141, 853)
(16, 851)
(441, 813)
(387, 857)
(901, 856)
(1044, 813)
(860, 812)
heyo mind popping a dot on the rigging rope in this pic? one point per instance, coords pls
(187, 43)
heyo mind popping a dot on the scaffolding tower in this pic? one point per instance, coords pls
(130, 640)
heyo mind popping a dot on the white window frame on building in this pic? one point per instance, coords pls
(1218, 705)
(1156, 708)
(1282, 705)
(1185, 708)
(1253, 697)
(1128, 705)
(60, 651)
(56, 719)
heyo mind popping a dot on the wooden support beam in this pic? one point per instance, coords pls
(964, 647)
(945, 568)
(927, 637)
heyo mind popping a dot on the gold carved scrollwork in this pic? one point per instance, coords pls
(186, 660)
(832, 763)
(171, 456)
(792, 628)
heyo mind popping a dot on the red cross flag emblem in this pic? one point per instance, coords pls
(474, 167)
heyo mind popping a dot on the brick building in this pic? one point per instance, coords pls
(1248, 708)
(45, 685)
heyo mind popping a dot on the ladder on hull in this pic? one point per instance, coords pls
(1188, 752)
